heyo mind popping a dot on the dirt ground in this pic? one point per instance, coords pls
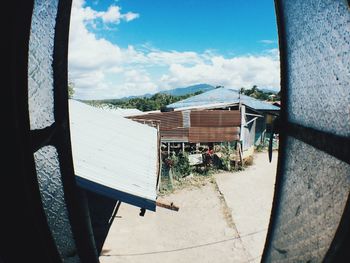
(222, 220)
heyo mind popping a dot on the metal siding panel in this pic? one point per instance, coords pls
(114, 152)
(167, 119)
(177, 134)
(212, 134)
(215, 118)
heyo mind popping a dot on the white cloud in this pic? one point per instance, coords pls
(268, 41)
(113, 15)
(101, 69)
(130, 16)
(138, 82)
(243, 71)
(90, 58)
(171, 57)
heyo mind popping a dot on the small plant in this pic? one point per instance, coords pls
(203, 170)
(261, 147)
(249, 161)
(224, 157)
(179, 164)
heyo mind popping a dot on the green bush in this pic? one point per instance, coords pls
(180, 165)
(260, 147)
(203, 170)
(224, 158)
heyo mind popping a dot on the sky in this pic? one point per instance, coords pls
(133, 47)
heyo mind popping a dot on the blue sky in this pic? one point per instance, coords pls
(133, 47)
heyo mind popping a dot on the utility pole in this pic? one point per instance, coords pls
(239, 99)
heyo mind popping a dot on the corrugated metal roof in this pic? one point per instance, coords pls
(122, 112)
(114, 156)
(221, 97)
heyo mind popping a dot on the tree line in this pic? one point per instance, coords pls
(156, 102)
(159, 101)
(259, 94)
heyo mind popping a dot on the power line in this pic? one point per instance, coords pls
(184, 248)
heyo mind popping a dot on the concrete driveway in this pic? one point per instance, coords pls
(248, 194)
(218, 222)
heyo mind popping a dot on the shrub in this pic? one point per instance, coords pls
(260, 147)
(248, 161)
(180, 165)
(224, 159)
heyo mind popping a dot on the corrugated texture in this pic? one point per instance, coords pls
(319, 64)
(196, 126)
(316, 189)
(213, 134)
(168, 119)
(313, 181)
(175, 135)
(40, 71)
(113, 155)
(186, 118)
(201, 134)
(215, 118)
(121, 111)
(221, 97)
(52, 196)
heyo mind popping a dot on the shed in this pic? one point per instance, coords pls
(256, 113)
(196, 126)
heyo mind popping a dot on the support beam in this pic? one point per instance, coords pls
(256, 115)
(170, 206)
(246, 125)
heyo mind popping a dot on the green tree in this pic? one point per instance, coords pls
(156, 102)
(71, 90)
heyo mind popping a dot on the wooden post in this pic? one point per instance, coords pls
(242, 136)
(171, 177)
(183, 147)
(240, 153)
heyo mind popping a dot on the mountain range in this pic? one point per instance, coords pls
(178, 91)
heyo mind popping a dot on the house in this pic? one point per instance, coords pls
(216, 116)
(195, 131)
(256, 116)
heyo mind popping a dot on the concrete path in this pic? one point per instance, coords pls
(200, 231)
(249, 194)
(219, 222)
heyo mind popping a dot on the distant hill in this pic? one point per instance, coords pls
(156, 101)
(269, 90)
(147, 95)
(177, 91)
(188, 90)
